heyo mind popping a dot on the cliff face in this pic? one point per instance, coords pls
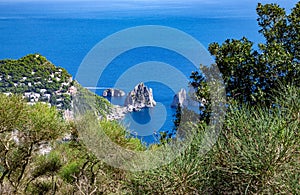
(140, 97)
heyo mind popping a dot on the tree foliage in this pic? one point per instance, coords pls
(250, 75)
(23, 130)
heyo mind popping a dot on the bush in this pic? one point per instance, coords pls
(69, 171)
(258, 151)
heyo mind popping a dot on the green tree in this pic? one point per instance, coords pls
(23, 129)
(249, 74)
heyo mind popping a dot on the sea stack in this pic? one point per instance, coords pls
(179, 99)
(140, 97)
(113, 93)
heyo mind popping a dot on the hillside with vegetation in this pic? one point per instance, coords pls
(257, 151)
(37, 80)
(39, 145)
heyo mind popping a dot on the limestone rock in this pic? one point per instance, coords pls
(113, 93)
(140, 97)
(179, 99)
(116, 113)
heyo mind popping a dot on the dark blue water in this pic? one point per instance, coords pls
(65, 42)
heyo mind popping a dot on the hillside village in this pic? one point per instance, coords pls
(37, 80)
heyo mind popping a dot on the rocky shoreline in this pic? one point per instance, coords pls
(117, 113)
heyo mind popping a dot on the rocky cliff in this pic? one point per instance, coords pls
(140, 97)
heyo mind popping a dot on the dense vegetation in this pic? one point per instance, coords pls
(26, 132)
(258, 150)
(251, 75)
(36, 79)
(87, 100)
(36, 69)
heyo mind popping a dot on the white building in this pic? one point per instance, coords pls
(43, 90)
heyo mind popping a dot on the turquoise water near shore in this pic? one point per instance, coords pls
(66, 41)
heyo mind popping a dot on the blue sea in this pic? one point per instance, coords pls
(65, 39)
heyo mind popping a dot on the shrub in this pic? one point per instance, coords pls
(258, 151)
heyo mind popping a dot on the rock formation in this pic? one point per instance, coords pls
(179, 99)
(116, 113)
(113, 93)
(140, 97)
